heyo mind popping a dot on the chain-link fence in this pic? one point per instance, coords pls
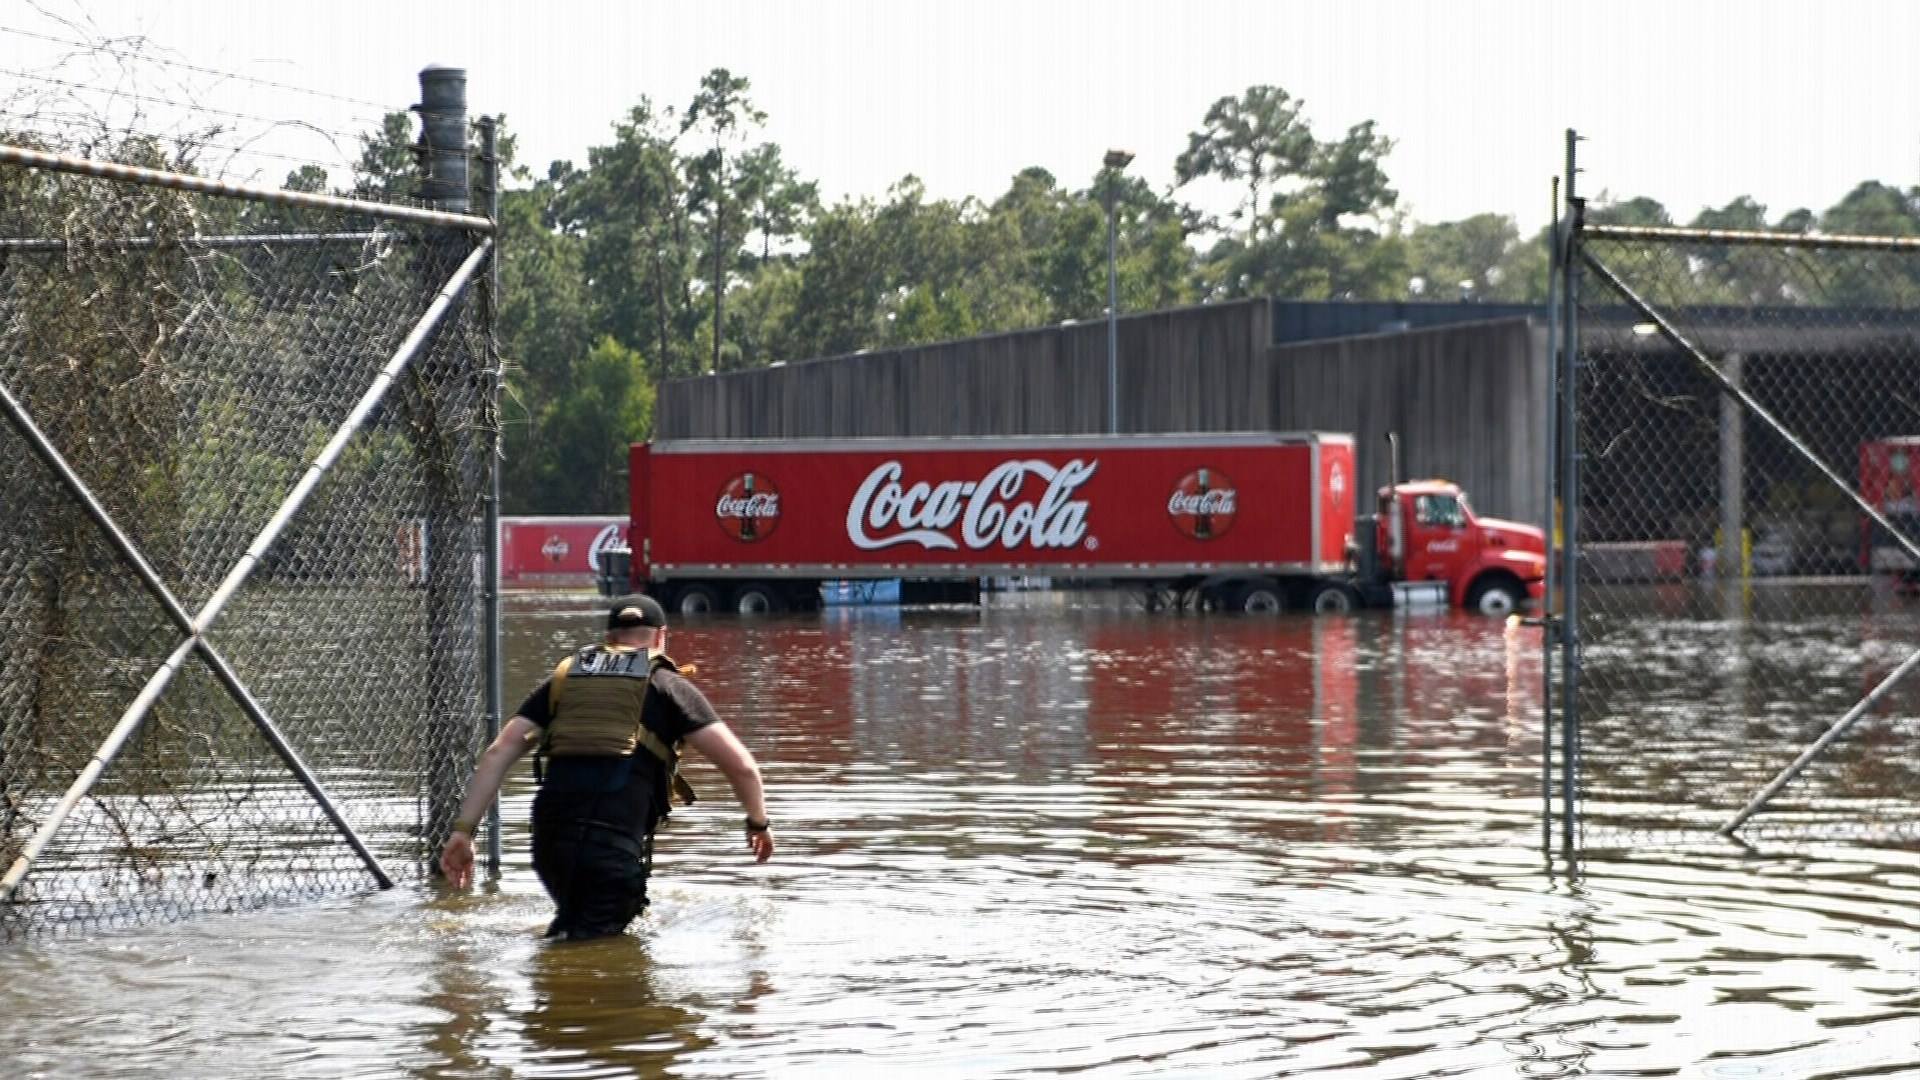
(1744, 613)
(244, 480)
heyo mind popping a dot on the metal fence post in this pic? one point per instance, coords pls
(489, 191)
(1570, 512)
(443, 138)
(1549, 630)
(446, 748)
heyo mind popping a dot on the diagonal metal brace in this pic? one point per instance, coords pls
(1680, 340)
(195, 627)
(1827, 738)
(130, 552)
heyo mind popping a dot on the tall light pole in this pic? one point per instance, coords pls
(1115, 161)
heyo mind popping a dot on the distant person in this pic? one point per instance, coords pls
(612, 718)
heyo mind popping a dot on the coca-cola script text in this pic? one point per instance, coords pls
(887, 511)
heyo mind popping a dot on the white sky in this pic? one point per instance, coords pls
(1688, 101)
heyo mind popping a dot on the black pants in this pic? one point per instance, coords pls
(595, 871)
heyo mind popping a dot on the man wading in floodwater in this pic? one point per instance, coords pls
(612, 718)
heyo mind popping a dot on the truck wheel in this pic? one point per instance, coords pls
(1497, 596)
(695, 600)
(1257, 598)
(757, 599)
(1332, 598)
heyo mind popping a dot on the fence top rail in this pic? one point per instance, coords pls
(1671, 234)
(135, 174)
(38, 245)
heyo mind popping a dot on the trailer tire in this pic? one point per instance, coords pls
(1332, 598)
(1495, 594)
(695, 600)
(1257, 598)
(755, 598)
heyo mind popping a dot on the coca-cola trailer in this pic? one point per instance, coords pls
(1244, 522)
(556, 551)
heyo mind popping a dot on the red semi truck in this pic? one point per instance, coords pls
(1240, 522)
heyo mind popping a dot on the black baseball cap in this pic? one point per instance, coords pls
(636, 610)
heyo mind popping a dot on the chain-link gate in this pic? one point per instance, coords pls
(245, 477)
(1735, 416)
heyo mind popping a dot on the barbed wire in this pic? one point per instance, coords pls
(149, 58)
(15, 122)
(152, 99)
(90, 118)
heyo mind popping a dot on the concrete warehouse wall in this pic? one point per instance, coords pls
(1469, 402)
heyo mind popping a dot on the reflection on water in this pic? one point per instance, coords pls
(1057, 837)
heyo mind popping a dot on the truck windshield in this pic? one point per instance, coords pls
(1439, 510)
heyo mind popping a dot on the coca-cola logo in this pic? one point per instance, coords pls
(748, 508)
(556, 548)
(1203, 504)
(607, 537)
(1000, 509)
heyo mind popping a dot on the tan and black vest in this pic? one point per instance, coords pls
(596, 699)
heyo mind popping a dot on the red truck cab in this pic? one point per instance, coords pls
(1428, 532)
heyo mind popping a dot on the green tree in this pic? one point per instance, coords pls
(545, 329)
(1739, 274)
(585, 431)
(629, 208)
(762, 319)
(1528, 266)
(308, 178)
(778, 203)
(772, 205)
(903, 272)
(387, 170)
(1480, 258)
(674, 230)
(1870, 209)
(1875, 209)
(722, 112)
(841, 283)
(1318, 219)
(1047, 247)
(1055, 242)
(1639, 210)
(1259, 140)
(924, 314)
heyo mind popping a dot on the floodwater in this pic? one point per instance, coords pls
(1056, 837)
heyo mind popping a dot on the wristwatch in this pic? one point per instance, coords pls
(758, 826)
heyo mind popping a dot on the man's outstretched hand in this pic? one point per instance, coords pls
(456, 860)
